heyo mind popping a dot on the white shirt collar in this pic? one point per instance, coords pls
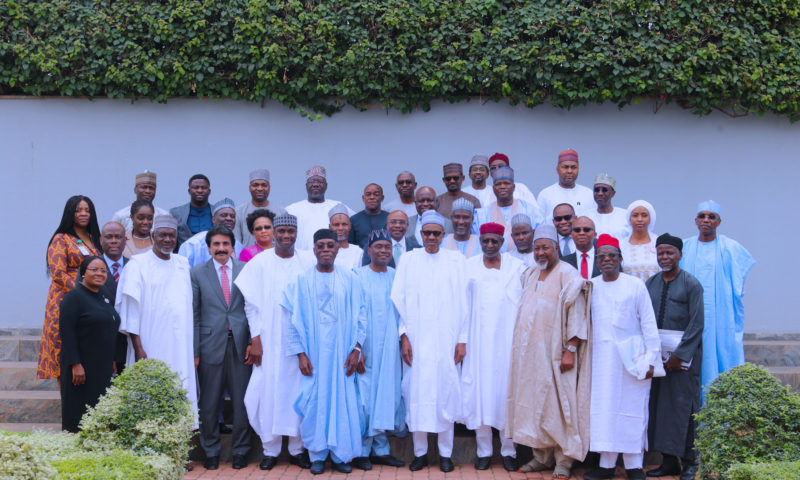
(217, 265)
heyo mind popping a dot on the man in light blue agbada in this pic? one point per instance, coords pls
(326, 330)
(721, 265)
(379, 391)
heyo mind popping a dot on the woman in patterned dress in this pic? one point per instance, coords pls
(77, 236)
(639, 246)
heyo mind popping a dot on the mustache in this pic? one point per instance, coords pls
(220, 252)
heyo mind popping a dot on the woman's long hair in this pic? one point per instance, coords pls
(67, 224)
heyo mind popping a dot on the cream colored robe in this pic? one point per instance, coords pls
(547, 408)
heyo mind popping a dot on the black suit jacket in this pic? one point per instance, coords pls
(411, 244)
(110, 288)
(572, 259)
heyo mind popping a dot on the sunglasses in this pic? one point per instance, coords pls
(405, 182)
(583, 229)
(431, 233)
(563, 218)
(601, 189)
(710, 216)
(258, 229)
(452, 178)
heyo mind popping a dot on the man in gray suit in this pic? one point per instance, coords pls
(223, 354)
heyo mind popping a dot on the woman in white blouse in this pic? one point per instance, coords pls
(639, 244)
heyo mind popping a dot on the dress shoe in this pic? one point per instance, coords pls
(669, 466)
(239, 462)
(418, 463)
(635, 474)
(386, 460)
(317, 467)
(211, 463)
(689, 471)
(599, 473)
(342, 467)
(446, 465)
(188, 467)
(510, 464)
(268, 462)
(362, 463)
(482, 463)
(301, 460)
(224, 429)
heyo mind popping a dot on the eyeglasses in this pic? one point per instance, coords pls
(405, 182)
(563, 218)
(603, 256)
(258, 229)
(710, 216)
(452, 178)
(97, 270)
(582, 229)
(601, 189)
(492, 241)
(431, 233)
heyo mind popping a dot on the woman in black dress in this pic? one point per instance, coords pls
(88, 328)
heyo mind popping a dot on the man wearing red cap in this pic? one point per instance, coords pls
(626, 353)
(566, 190)
(522, 192)
(493, 291)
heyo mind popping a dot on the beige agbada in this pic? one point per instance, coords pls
(547, 408)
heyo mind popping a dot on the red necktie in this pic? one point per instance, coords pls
(584, 267)
(226, 287)
(115, 271)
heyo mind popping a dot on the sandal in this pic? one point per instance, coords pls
(561, 473)
(533, 466)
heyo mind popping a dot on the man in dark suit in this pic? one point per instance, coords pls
(194, 216)
(222, 352)
(112, 240)
(397, 224)
(584, 236)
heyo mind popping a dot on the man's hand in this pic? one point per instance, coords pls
(567, 361)
(305, 364)
(361, 369)
(674, 364)
(78, 375)
(196, 362)
(114, 366)
(650, 372)
(253, 353)
(461, 352)
(405, 350)
(139, 354)
(352, 362)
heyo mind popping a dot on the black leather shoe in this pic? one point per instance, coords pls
(211, 463)
(510, 464)
(362, 463)
(301, 460)
(669, 466)
(689, 471)
(239, 462)
(418, 463)
(599, 473)
(386, 460)
(224, 429)
(267, 463)
(635, 474)
(342, 467)
(482, 463)
(317, 467)
(446, 465)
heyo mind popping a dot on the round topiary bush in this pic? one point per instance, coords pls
(145, 410)
(749, 417)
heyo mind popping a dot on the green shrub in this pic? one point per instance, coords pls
(765, 471)
(115, 465)
(145, 411)
(749, 417)
(21, 460)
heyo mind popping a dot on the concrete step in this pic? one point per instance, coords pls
(778, 353)
(24, 348)
(30, 427)
(30, 406)
(788, 376)
(22, 376)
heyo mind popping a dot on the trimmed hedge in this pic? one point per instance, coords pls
(765, 471)
(318, 56)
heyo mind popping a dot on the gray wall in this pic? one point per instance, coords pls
(53, 148)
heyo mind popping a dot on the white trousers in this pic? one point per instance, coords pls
(443, 439)
(483, 437)
(273, 447)
(631, 460)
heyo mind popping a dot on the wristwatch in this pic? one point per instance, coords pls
(571, 348)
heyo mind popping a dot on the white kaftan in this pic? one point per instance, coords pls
(614, 223)
(349, 258)
(581, 198)
(310, 218)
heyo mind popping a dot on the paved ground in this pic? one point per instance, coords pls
(286, 471)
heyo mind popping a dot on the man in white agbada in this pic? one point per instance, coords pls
(522, 235)
(144, 189)
(626, 353)
(462, 239)
(548, 406)
(566, 190)
(606, 217)
(154, 301)
(478, 175)
(195, 249)
(349, 255)
(493, 292)
(274, 383)
(429, 293)
(312, 213)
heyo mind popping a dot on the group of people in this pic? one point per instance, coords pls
(562, 322)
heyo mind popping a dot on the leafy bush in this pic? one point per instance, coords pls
(749, 417)
(145, 410)
(765, 471)
(21, 460)
(740, 56)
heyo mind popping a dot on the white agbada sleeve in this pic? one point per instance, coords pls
(647, 321)
(247, 281)
(129, 293)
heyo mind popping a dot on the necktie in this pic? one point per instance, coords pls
(226, 287)
(584, 267)
(566, 251)
(115, 271)
(398, 250)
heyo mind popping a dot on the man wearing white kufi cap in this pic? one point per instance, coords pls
(195, 249)
(522, 235)
(154, 301)
(606, 217)
(429, 292)
(462, 239)
(349, 255)
(259, 198)
(312, 213)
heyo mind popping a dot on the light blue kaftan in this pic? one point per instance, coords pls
(721, 266)
(379, 391)
(326, 319)
(196, 250)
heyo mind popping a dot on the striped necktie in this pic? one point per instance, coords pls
(115, 271)
(226, 287)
